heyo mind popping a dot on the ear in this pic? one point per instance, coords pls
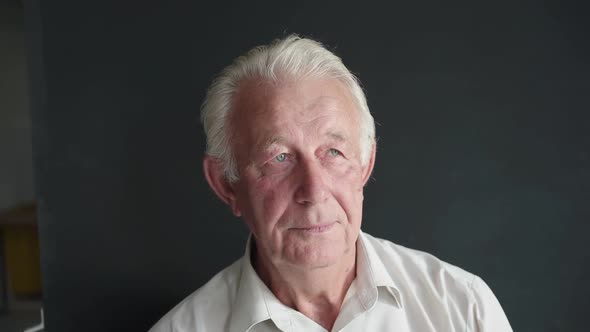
(213, 169)
(368, 168)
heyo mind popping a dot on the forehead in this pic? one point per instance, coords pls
(260, 105)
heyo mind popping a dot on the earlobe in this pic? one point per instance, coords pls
(368, 168)
(213, 169)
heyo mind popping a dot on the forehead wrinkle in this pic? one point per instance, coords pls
(327, 102)
(331, 106)
(275, 108)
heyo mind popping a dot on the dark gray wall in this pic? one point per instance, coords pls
(483, 152)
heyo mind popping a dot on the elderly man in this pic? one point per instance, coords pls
(290, 146)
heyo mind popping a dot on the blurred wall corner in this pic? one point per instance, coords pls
(16, 169)
(20, 278)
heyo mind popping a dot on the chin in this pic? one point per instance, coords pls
(318, 255)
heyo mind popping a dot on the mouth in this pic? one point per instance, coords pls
(315, 229)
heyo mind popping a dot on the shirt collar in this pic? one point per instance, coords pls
(372, 274)
(255, 303)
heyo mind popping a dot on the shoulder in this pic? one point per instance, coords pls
(440, 290)
(206, 309)
(397, 258)
(425, 281)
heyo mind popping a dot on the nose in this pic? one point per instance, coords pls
(312, 188)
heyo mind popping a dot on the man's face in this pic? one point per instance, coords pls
(301, 181)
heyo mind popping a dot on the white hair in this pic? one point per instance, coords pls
(292, 57)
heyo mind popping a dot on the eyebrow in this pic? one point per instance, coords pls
(338, 136)
(273, 140)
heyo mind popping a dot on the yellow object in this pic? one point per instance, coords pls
(21, 249)
(18, 231)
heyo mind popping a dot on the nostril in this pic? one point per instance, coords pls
(312, 193)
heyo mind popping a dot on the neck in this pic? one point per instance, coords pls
(317, 293)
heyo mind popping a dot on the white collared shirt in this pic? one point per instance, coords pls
(396, 289)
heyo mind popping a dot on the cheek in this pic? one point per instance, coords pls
(269, 200)
(349, 175)
(349, 190)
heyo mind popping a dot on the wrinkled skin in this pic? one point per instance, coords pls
(301, 179)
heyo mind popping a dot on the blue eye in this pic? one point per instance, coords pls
(334, 152)
(282, 157)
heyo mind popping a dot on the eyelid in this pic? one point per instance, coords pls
(339, 151)
(273, 159)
